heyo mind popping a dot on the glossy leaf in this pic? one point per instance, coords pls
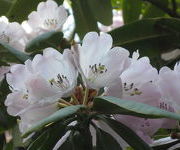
(4, 6)
(105, 141)
(49, 39)
(102, 10)
(84, 18)
(113, 105)
(150, 36)
(131, 10)
(128, 135)
(57, 116)
(6, 121)
(9, 146)
(48, 139)
(152, 11)
(22, 57)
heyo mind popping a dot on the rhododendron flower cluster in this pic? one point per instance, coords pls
(54, 79)
(39, 86)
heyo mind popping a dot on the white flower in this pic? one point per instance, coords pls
(100, 64)
(169, 85)
(39, 84)
(12, 34)
(138, 84)
(48, 17)
(46, 77)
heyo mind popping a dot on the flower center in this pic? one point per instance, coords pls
(25, 96)
(50, 23)
(166, 107)
(131, 90)
(95, 70)
(4, 37)
(61, 82)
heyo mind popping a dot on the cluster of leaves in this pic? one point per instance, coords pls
(151, 26)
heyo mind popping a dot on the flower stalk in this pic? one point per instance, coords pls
(85, 101)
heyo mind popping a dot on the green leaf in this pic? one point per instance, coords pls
(166, 144)
(57, 116)
(113, 105)
(20, 56)
(49, 39)
(48, 139)
(8, 146)
(150, 36)
(6, 121)
(2, 140)
(22, 8)
(5, 5)
(152, 11)
(102, 10)
(105, 141)
(127, 134)
(77, 137)
(84, 19)
(131, 10)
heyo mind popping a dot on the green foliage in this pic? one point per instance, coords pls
(49, 39)
(149, 36)
(6, 121)
(152, 11)
(113, 105)
(131, 10)
(48, 138)
(84, 19)
(18, 55)
(57, 116)
(127, 134)
(102, 10)
(105, 141)
(4, 6)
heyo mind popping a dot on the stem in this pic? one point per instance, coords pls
(85, 101)
(62, 105)
(174, 5)
(74, 99)
(165, 9)
(65, 102)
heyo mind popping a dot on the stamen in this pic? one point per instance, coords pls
(61, 82)
(133, 91)
(50, 23)
(25, 96)
(4, 37)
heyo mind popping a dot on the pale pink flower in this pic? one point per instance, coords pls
(48, 17)
(39, 84)
(12, 34)
(138, 84)
(100, 64)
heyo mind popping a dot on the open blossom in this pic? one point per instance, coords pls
(12, 34)
(48, 17)
(39, 84)
(169, 85)
(138, 84)
(100, 64)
